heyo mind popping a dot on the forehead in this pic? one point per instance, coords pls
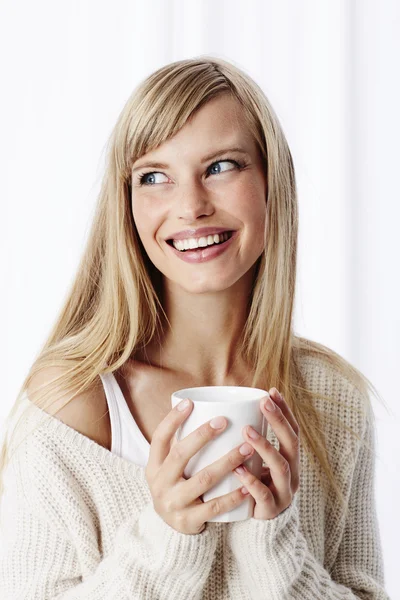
(219, 123)
(222, 115)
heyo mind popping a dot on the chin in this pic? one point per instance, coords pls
(205, 285)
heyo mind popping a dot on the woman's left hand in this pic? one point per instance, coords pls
(280, 479)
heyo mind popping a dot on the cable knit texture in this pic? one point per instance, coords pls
(78, 522)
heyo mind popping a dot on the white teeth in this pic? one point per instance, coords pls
(201, 242)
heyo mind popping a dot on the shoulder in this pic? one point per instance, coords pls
(340, 394)
(334, 376)
(320, 365)
(86, 413)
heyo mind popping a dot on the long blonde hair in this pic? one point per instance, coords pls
(113, 307)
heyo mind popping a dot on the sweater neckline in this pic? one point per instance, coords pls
(73, 437)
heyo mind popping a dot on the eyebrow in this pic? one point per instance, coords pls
(158, 165)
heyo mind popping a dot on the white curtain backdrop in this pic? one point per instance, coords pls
(329, 68)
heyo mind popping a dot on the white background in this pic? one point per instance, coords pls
(329, 68)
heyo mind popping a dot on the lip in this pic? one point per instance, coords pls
(196, 233)
(206, 254)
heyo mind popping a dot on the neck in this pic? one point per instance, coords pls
(205, 334)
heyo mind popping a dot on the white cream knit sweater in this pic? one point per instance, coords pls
(78, 522)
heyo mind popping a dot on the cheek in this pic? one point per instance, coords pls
(146, 219)
(250, 205)
(252, 211)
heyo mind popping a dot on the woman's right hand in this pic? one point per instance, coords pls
(176, 499)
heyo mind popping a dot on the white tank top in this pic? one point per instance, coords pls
(127, 440)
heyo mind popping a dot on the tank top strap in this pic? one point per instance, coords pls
(111, 396)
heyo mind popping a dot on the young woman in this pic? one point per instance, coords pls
(188, 279)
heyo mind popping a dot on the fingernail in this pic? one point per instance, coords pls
(240, 470)
(184, 404)
(217, 422)
(252, 433)
(245, 449)
(269, 404)
(277, 392)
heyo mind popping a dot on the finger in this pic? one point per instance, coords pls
(294, 465)
(266, 478)
(207, 478)
(289, 443)
(262, 494)
(161, 441)
(279, 468)
(280, 401)
(180, 454)
(205, 511)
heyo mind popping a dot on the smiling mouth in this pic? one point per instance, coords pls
(220, 243)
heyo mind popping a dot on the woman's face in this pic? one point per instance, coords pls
(182, 189)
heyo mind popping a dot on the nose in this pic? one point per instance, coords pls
(193, 200)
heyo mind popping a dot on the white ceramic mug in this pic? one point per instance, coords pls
(240, 406)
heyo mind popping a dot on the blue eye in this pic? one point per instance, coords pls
(142, 176)
(218, 162)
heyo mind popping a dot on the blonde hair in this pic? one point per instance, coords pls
(113, 307)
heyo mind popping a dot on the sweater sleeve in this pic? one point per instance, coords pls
(278, 563)
(51, 545)
(150, 560)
